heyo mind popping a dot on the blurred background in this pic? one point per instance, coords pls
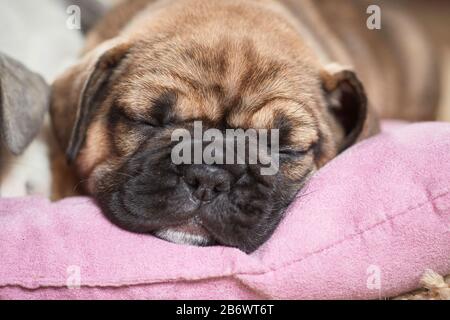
(434, 17)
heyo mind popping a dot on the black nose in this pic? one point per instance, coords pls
(207, 181)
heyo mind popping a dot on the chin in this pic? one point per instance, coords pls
(191, 233)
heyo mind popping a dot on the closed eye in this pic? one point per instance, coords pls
(137, 120)
(292, 152)
(162, 108)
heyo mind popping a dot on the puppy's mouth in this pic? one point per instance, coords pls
(191, 233)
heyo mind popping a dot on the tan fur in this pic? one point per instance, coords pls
(204, 53)
(96, 150)
(65, 182)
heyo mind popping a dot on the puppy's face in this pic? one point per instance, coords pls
(131, 97)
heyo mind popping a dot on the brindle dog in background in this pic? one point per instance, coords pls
(150, 67)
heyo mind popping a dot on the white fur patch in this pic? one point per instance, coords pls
(182, 237)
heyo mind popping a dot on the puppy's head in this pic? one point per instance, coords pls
(116, 111)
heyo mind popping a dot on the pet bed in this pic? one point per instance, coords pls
(367, 226)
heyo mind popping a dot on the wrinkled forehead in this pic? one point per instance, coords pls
(228, 84)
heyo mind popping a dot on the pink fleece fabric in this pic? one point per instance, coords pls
(366, 227)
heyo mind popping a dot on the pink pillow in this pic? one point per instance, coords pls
(367, 226)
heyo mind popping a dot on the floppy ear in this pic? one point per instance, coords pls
(347, 102)
(77, 94)
(24, 100)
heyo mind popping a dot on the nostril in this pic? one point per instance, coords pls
(204, 194)
(207, 182)
(222, 187)
(195, 183)
(192, 181)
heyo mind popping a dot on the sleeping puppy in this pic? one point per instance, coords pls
(152, 67)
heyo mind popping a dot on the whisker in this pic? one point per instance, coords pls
(74, 189)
